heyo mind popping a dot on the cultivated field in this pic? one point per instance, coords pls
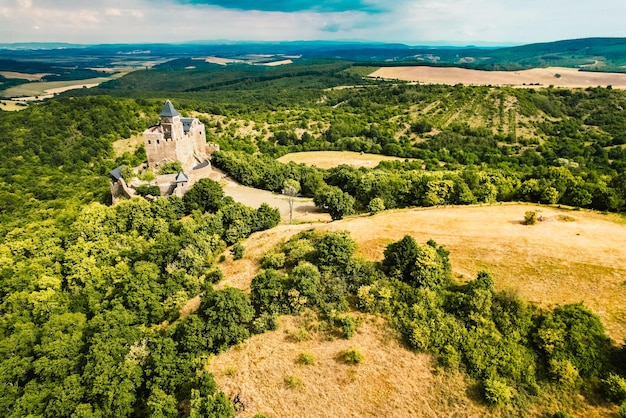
(570, 257)
(329, 159)
(23, 76)
(47, 89)
(556, 76)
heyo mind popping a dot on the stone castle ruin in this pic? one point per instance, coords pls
(174, 139)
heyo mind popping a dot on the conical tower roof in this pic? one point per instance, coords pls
(168, 110)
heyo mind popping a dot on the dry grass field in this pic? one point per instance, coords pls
(23, 76)
(11, 106)
(391, 381)
(556, 76)
(569, 257)
(330, 159)
(47, 89)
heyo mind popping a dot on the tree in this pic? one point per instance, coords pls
(335, 201)
(399, 258)
(206, 195)
(334, 250)
(291, 189)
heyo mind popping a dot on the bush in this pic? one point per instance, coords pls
(497, 392)
(214, 275)
(237, 251)
(171, 168)
(375, 206)
(265, 322)
(564, 372)
(144, 190)
(348, 326)
(614, 387)
(351, 356)
(273, 260)
(530, 217)
(622, 411)
(293, 382)
(307, 359)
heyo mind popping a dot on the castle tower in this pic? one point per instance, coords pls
(171, 123)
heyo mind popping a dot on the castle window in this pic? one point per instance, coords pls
(149, 142)
(158, 141)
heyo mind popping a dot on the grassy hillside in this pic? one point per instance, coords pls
(572, 256)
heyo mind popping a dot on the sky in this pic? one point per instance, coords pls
(413, 22)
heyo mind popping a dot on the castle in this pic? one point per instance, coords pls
(175, 139)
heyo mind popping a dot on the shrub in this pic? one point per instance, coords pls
(351, 356)
(308, 359)
(622, 411)
(348, 326)
(144, 190)
(237, 251)
(337, 202)
(530, 217)
(273, 260)
(214, 275)
(614, 387)
(375, 206)
(335, 249)
(173, 167)
(560, 414)
(564, 372)
(265, 322)
(497, 392)
(306, 280)
(299, 335)
(293, 382)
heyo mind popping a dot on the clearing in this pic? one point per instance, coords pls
(330, 159)
(556, 76)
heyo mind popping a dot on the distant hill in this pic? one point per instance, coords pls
(594, 54)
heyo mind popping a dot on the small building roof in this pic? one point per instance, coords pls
(186, 123)
(168, 110)
(181, 177)
(116, 173)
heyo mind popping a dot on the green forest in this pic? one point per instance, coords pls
(92, 296)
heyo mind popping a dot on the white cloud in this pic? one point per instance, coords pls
(409, 21)
(113, 12)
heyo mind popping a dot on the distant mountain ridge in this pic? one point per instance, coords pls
(591, 54)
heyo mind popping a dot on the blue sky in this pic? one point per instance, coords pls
(414, 22)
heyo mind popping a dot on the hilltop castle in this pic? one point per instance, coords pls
(175, 139)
